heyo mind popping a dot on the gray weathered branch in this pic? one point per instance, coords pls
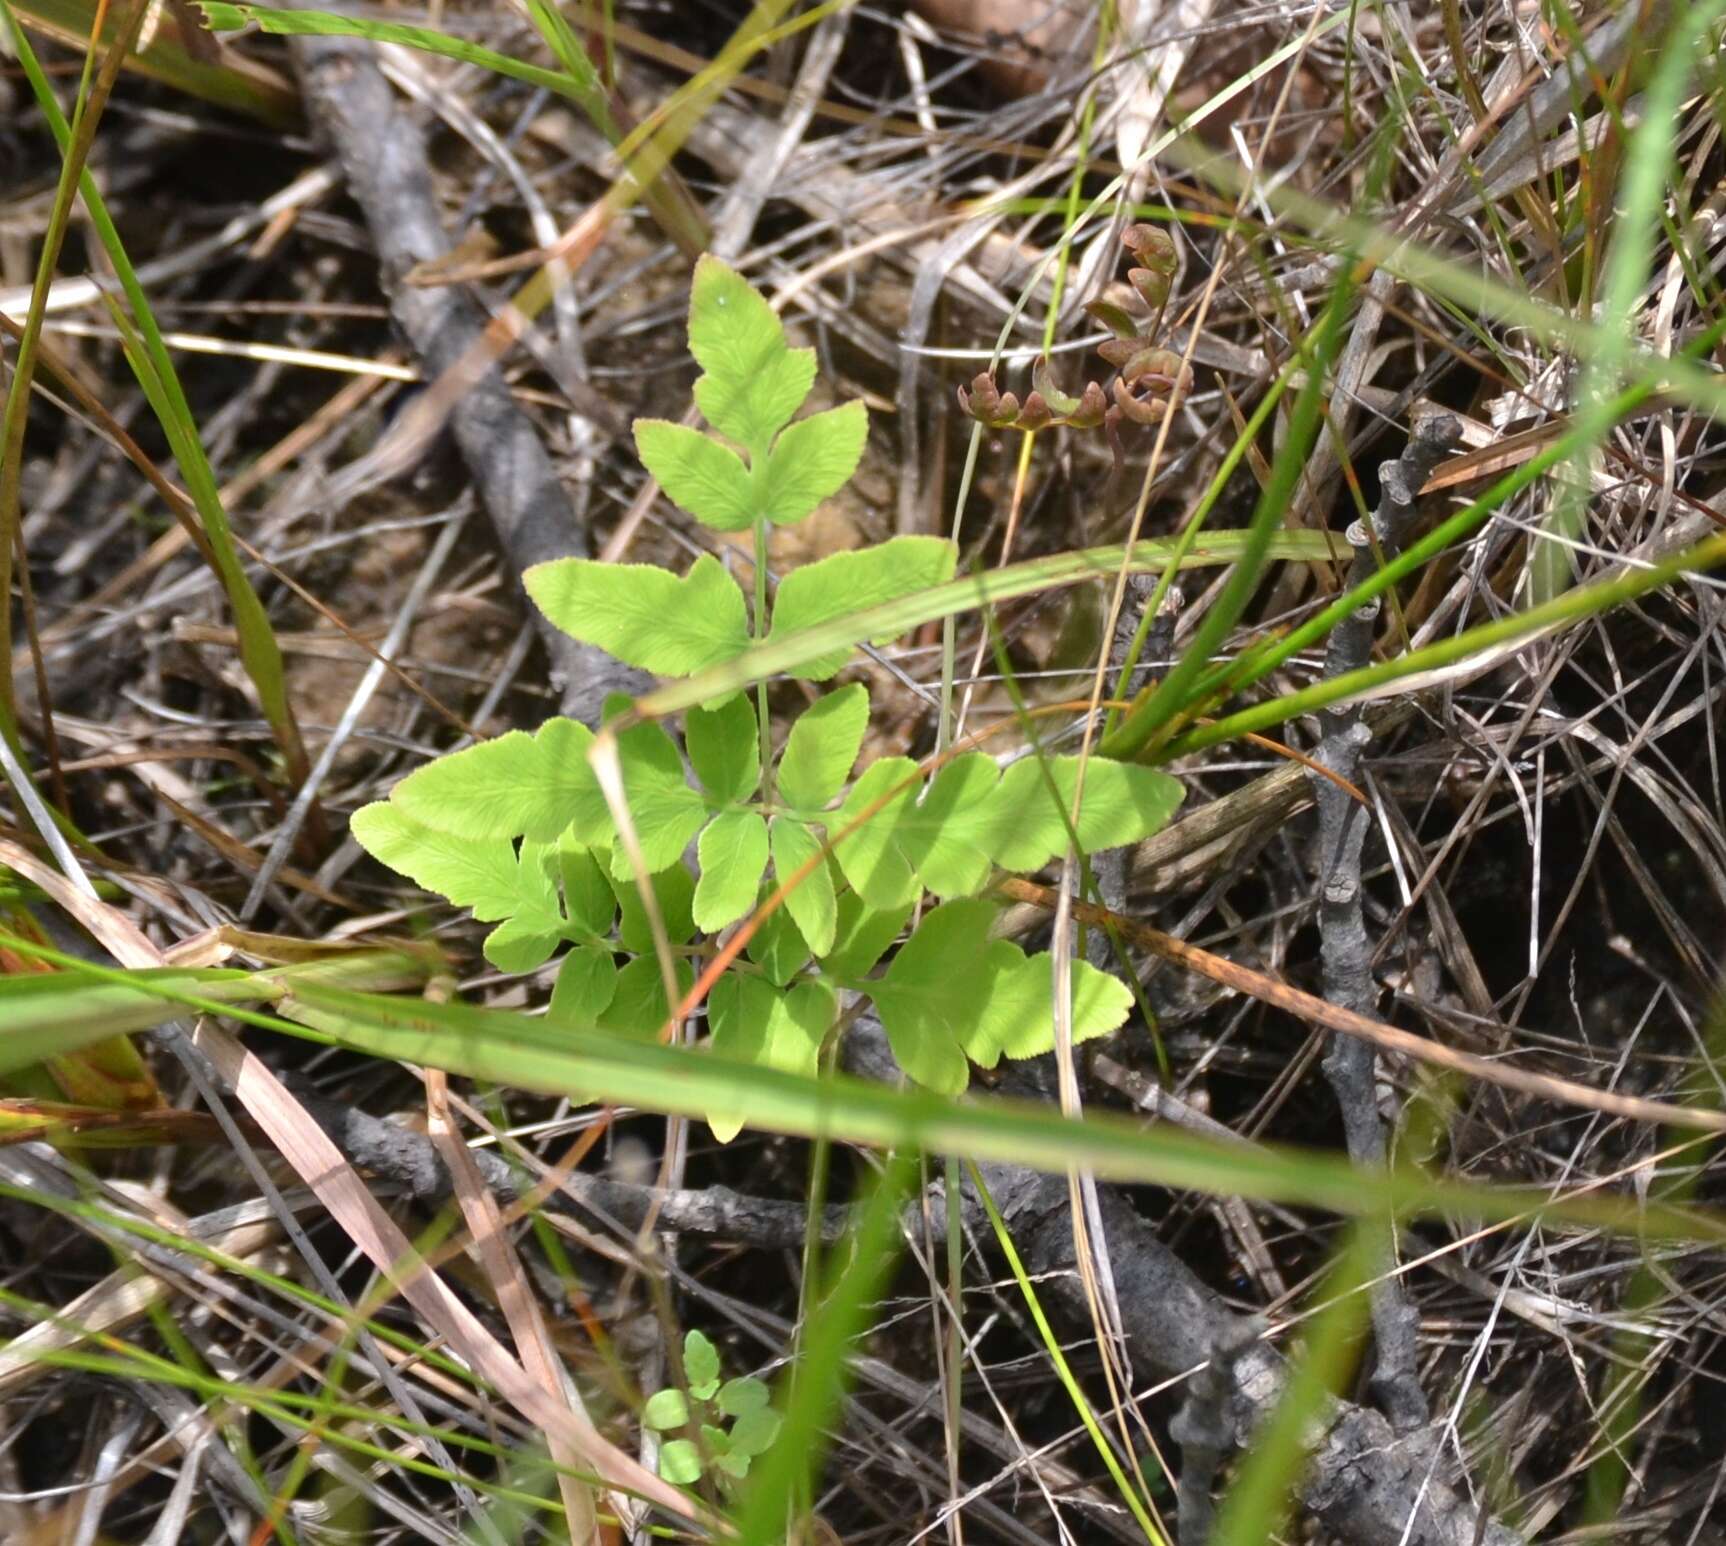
(1351, 1065)
(383, 157)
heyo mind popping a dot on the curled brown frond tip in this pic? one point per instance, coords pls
(1044, 407)
(1149, 376)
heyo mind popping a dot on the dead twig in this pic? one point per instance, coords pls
(1351, 1063)
(383, 158)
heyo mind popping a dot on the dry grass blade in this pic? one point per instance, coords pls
(521, 1309)
(1318, 1011)
(323, 1167)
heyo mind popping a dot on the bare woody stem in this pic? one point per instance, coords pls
(1351, 1065)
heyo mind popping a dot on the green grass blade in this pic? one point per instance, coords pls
(1181, 695)
(1173, 695)
(515, 1050)
(977, 591)
(327, 24)
(1063, 1370)
(566, 48)
(1444, 278)
(260, 654)
(1642, 198)
(53, 1014)
(856, 1278)
(663, 191)
(1257, 1502)
(1569, 607)
(120, 1225)
(1257, 662)
(234, 83)
(1195, 524)
(527, 1053)
(74, 140)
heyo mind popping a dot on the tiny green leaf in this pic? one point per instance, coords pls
(725, 748)
(753, 380)
(822, 747)
(810, 902)
(521, 944)
(667, 817)
(953, 992)
(740, 1010)
(936, 992)
(733, 853)
(665, 1409)
(747, 1394)
(479, 873)
(638, 1007)
(702, 476)
(1020, 1022)
(812, 460)
(646, 754)
(645, 615)
(752, 1021)
(591, 827)
(870, 854)
(778, 947)
(807, 1014)
(517, 784)
(863, 935)
(776, 1029)
(844, 583)
(536, 871)
(485, 874)
(754, 1432)
(1102, 1005)
(700, 1365)
(674, 890)
(586, 981)
(734, 1463)
(680, 1462)
(943, 835)
(588, 899)
(666, 812)
(1026, 825)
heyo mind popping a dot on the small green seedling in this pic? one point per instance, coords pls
(743, 1403)
(517, 828)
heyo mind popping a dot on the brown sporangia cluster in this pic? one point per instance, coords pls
(1147, 376)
